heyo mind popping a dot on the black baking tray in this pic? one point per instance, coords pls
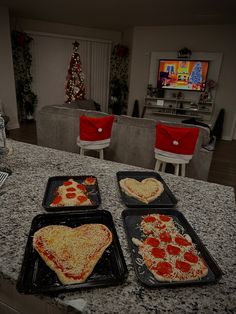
(166, 199)
(54, 182)
(132, 219)
(36, 277)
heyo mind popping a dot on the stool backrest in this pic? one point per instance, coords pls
(95, 129)
(176, 140)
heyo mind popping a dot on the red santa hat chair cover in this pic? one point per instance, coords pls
(95, 133)
(174, 145)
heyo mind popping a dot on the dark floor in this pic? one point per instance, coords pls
(223, 167)
(26, 133)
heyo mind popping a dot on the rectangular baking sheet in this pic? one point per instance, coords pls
(36, 277)
(54, 182)
(166, 199)
(132, 219)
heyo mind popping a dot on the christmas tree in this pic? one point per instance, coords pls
(75, 88)
(196, 75)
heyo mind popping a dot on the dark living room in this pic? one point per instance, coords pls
(117, 157)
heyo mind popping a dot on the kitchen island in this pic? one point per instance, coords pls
(209, 208)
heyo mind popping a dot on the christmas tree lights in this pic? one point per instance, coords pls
(75, 88)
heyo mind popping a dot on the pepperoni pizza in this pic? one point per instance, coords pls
(71, 193)
(167, 253)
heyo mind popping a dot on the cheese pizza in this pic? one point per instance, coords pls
(167, 253)
(72, 253)
(71, 193)
(145, 191)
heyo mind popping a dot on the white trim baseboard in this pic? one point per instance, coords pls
(226, 138)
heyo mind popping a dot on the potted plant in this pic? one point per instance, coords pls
(118, 95)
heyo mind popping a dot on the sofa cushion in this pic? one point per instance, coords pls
(87, 104)
(140, 122)
(132, 142)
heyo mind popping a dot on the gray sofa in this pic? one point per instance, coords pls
(132, 142)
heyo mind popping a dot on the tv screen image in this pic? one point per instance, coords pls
(183, 74)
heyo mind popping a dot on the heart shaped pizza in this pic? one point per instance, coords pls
(145, 191)
(72, 252)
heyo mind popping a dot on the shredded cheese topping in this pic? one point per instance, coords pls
(72, 252)
(71, 193)
(168, 254)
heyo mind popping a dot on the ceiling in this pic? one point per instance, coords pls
(119, 15)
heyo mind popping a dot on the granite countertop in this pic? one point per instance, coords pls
(209, 208)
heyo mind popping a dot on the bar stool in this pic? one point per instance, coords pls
(95, 134)
(174, 145)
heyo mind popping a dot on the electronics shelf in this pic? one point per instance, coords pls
(179, 107)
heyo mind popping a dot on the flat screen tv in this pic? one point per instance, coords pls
(188, 75)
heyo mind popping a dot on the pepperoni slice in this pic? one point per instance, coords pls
(70, 195)
(66, 183)
(158, 253)
(182, 241)
(90, 180)
(82, 198)
(183, 266)
(152, 241)
(149, 219)
(160, 227)
(57, 200)
(70, 189)
(81, 187)
(190, 257)
(164, 218)
(173, 250)
(163, 268)
(165, 237)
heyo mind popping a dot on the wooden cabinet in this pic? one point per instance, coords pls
(181, 108)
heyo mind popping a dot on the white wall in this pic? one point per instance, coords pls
(64, 29)
(7, 82)
(218, 39)
(51, 56)
(54, 50)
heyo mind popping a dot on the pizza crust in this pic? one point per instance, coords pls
(72, 253)
(145, 191)
(153, 259)
(63, 191)
(196, 272)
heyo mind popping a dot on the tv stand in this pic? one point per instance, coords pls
(178, 108)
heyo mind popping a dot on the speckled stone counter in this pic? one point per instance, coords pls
(209, 208)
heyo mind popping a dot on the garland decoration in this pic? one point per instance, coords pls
(22, 60)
